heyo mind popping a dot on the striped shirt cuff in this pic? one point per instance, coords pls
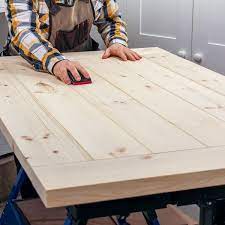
(52, 60)
(118, 41)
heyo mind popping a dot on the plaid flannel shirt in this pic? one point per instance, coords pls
(29, 29)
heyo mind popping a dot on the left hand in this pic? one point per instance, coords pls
(122, 52)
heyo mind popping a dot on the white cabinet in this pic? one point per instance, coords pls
(167, 24)
(209, 34)
(194, 29)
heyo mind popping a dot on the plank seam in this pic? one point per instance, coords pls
(182, 98)
(85, 154)
(150, 109)
(141, 155)
(180, 74)
(110, 118)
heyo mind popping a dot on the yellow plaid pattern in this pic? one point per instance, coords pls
(29, 29)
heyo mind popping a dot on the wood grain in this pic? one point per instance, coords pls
(133, 176)
(156, 98)
(141, 128)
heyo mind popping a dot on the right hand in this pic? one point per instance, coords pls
(60, 71)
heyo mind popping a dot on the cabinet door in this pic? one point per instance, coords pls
(123, 8)
(166, 24)
(209, 34)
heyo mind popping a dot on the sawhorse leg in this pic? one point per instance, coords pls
(220, 212)
(151, 217)
(71, 220)
(122, 220)
(10, 214)
(211, 213)
(13, 216)
(206, 214)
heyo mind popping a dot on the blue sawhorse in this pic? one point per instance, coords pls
(12, 215)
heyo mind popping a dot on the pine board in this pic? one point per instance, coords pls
(141, 128)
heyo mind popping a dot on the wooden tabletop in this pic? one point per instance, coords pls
(141, 128)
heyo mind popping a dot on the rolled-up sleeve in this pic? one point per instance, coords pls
(110, 24)
(26, 37)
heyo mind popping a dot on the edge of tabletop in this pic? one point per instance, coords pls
(101, 180)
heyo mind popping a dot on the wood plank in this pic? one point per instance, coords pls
(174, 216)
(140, 122)
(101, 180)
(188, 69)
(202, 126)
(89, 126)
(27, 132)
(181, 216)
(190, 91)
(96, 150)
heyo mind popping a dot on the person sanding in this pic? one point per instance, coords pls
(42, 30)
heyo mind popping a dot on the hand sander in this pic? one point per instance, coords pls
(83, 80)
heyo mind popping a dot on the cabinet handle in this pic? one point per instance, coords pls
(182, 54)
(198, 57)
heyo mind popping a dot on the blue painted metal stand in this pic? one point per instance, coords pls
(68, 221)
(11, 214)
(151, 217)
(211, 202)
(122, 220)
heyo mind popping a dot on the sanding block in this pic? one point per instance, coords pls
(83, 80)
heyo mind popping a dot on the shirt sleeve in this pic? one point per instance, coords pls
(26, 37)
(110, 25)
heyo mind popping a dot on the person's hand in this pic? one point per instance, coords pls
(60, 71)
(122, 52)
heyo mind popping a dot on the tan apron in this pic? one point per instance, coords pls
(71, 25)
